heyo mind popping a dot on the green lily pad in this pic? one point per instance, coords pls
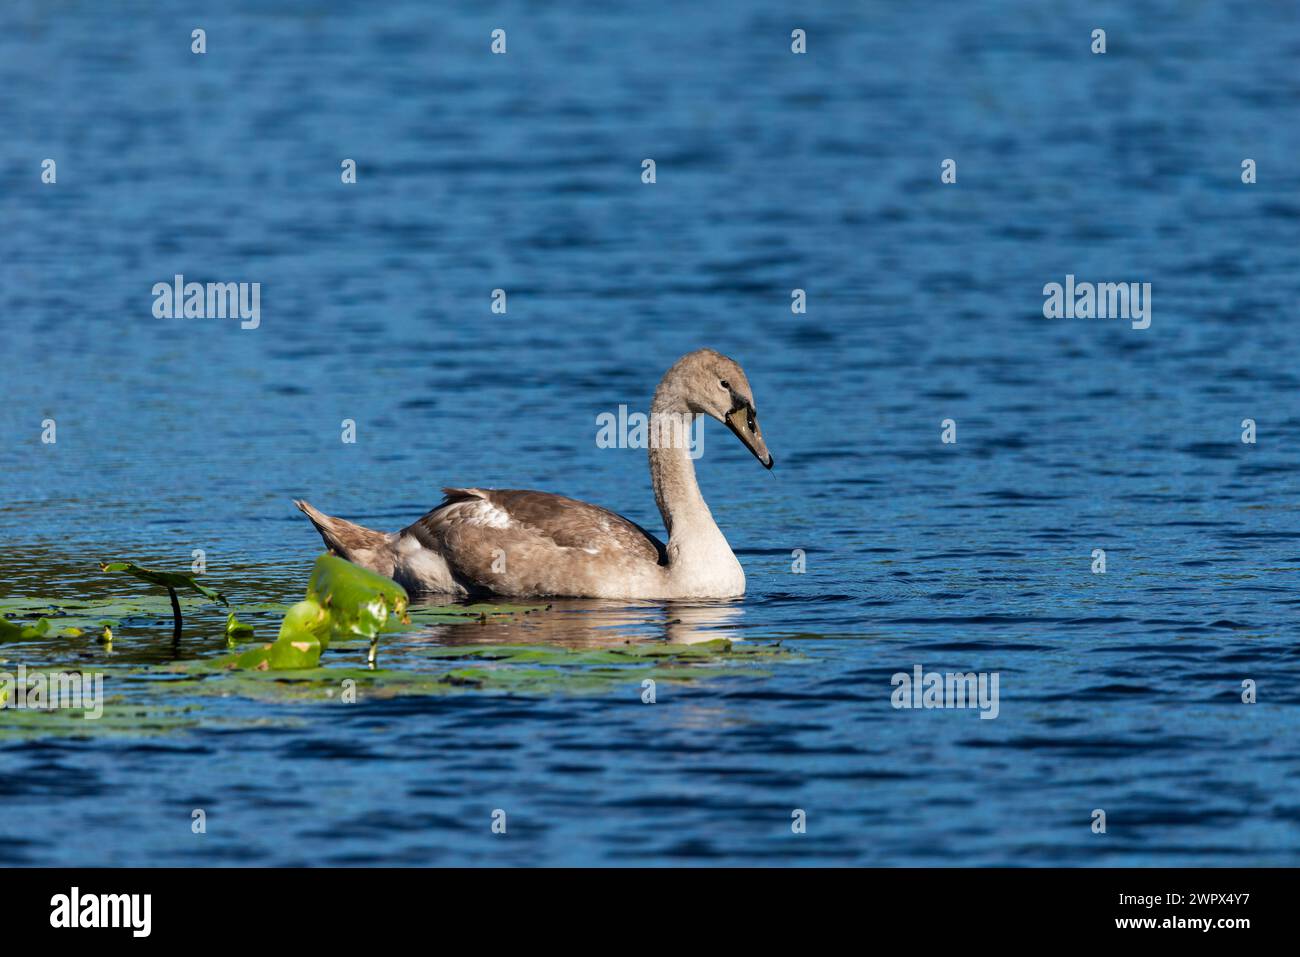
(11, 632)
(307, 619)
(295, 653)
(120, 718)
(173, 580)
(314, 662)
(91, 616)
(359, 601)
(254, 659)
(236, 630)
(169, 580)
(284, 654)
(343, 601)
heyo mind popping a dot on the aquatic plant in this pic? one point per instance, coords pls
(236, 630)
(12, 632)
(344, 601)
(346, 608)
(169, 580)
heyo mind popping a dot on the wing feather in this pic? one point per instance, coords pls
(549, 536)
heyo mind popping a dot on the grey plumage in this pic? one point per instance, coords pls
(525, 543)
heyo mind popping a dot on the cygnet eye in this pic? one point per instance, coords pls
(724, 384)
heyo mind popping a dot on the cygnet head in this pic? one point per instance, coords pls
(710, 383)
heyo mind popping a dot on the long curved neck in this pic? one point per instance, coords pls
(700, 562)
(672, 473)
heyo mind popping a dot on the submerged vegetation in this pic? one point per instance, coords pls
(324, 651)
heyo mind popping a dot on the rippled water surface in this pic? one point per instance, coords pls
(1119, 691)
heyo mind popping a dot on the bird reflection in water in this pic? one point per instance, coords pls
(586, 623)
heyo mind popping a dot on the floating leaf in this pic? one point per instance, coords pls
(343, 601)
(358, 600)
(307, 619)
(236, 630)
(295, 654)
(170, 580)
(91, 616)
(459, 615)
(119, 717)
(255, 659)
(448, 653)
(284, 654)
(12, 632)
(304, 634)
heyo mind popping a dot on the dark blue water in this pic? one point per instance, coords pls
(1119, 691)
